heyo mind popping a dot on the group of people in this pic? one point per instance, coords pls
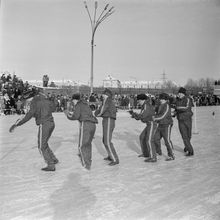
(87, 119)
(158, 125)
(11, 90)
(41, 108)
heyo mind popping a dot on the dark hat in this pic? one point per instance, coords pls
(107, 92)
(164, 96)
(31, 92)
(142, 97)
(182, 90)
(76, 96)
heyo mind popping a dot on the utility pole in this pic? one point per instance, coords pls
(164, 79)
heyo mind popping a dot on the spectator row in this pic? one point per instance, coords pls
(12, 88)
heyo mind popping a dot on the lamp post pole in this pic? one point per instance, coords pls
(94, 24)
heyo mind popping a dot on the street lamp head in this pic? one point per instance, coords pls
(96, 4)
(110, 9)
(106, 7)
(85, 4)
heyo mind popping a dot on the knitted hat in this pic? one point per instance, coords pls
(182, 90)
(142, 97)
(164, 96)
(31, 92)
(76, 96)
(107, 92)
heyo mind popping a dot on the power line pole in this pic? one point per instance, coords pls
(164, 79)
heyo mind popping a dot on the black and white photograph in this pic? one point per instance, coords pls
(109, 110)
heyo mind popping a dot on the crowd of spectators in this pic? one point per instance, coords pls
(206, 99)
(128, 101)
(12, 88)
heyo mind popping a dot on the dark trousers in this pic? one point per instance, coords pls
(164, 131)
(185, 128)
(108, 125)
(86, 134)
(147, 140)
(44, 132)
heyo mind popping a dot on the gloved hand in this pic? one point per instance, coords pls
(130, 112)
(11, 129)
(92, 107)
(173, 113)
(134, 115)
(136, 118)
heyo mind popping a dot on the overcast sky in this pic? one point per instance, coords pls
(139, 41)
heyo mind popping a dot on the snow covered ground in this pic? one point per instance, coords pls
(186, 188)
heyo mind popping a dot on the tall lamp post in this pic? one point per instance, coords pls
(94, 24)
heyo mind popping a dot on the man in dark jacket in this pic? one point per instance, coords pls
(147, 135)
(108, 112)
(184, 116)
(165, 123)
(87, 127)
(41, 109)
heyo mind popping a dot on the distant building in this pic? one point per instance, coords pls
(35, 82)
(64, 82)
(142, 84)
(217, 90)
(58, 83)
(115, 83)
(111, 82)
